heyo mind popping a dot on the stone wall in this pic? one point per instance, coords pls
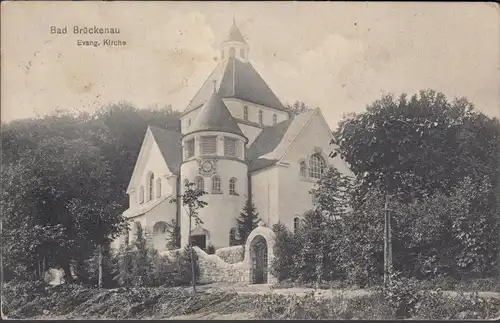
(214, 269)
(231, 255)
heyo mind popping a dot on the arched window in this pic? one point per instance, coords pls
(141, 194)
(275, 119)
(245, 113)
(160, 228)
(232, 52)
(303, 169)
(232, 237)
(316, 166)
(296, 224)
(216, 184)
(151, 186)
(242, 53)
(232, 186)
(261, 117)
(200, 183)
(158, 187)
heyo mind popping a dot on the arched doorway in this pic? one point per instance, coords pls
(259, 259)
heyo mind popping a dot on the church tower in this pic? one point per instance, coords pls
(214, 159)
(234, 45)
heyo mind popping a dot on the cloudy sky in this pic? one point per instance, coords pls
(337, 56)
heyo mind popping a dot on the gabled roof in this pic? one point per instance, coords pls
(169, 142)
(236, 79)
(272, 142)
(235, 34)
(214, 116)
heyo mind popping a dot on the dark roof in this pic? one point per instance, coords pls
(236, 79)
(214, 116)
(267, 140)
(272, 142)
(169, 142)
(235, 34)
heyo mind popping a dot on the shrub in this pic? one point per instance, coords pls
(402, 293)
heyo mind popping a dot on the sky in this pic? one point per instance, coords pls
(337, 56)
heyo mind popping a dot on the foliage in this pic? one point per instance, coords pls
(65, 175)
(282, 265)
(297, 108)
(211, 249)
(174, 235)
(247, 221)
(332, 193)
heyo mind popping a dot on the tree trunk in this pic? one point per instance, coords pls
(99, 260)
(193, 274)
(387, 241)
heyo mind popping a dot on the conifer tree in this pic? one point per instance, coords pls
(248, 220)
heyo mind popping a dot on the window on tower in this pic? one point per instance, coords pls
(200, 183)
(232, 52)
(261, 117)
(190, 148)
(230, 146)
(216, 184)
(150, 186)
(242, 53)
(222, 53)
(232, 186)
(208, 145)
(275, 119)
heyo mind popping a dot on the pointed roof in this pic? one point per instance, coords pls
(236, 79)
(235, 34)
(169, 142)
(214, 116)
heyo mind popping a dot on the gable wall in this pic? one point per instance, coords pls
(153, 162)
(294, 198)
(265, 194)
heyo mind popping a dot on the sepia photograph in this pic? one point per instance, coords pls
(250, 160)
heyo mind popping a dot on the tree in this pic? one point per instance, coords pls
(247, 221)
(332, 193)
(297, 108)
(174, 235)
(192, 203)
(411, 149)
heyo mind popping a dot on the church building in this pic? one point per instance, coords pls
(237, 141)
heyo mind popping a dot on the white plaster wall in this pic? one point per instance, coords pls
(165, 212)
(235, 106)
(219, 216)
(265, 196)
(185, 120)
(294, 197)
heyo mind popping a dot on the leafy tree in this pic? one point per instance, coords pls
(332, 193)
(297, 107)
(174, 235)
(191, 201)
(247, 221)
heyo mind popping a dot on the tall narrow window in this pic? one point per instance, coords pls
(303, 169)
(189, 123)
(230, 145)
(208, 145)
(275, 119)
(296, 225)
(232, 52)
(222, 53)
(151, 186)
(158, 187)
(141, 194)
(232, 186)
(216, 184)
(200, 183)
(232, 237)
(245, 113)
(190, 148)
(261, 117)
(316, 166)
(242, 53)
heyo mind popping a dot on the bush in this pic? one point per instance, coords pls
(402, 294)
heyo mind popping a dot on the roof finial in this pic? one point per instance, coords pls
(215, 85)
(234, 19)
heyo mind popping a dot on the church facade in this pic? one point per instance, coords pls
(237, 141)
